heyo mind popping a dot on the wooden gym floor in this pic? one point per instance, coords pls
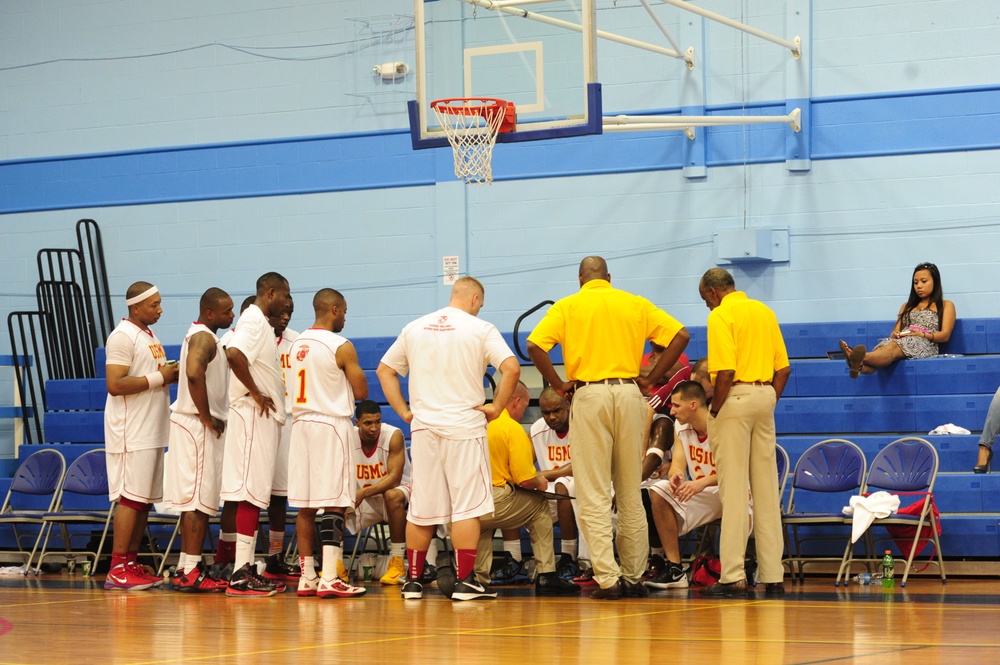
(71, 619)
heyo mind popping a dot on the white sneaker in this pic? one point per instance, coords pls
(338, 589)
(307, 586)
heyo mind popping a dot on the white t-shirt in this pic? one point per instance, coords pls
(140, 421)
(284, 349)
(216, 378)
(551, 449)
(254, 337)
(370, 469)
(446, 354)
(318, 385)
(700, 461)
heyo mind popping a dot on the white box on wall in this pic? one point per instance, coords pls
(749, 245)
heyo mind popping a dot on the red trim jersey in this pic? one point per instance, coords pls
(216, 379)
(369, 469)
(139, 421)
(700, 460)
(319, 386)
(284, 341)
(551, 448)
(254, 337)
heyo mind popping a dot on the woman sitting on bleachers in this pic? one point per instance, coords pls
(925, 320)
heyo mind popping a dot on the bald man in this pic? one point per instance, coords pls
(197, 424)
(445, 354)
(136, 430)
(602, 332)
(749, 365)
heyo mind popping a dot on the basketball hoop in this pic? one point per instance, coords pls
(471, 125)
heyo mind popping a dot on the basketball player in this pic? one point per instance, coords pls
(326, 378)
(550, 439)
(446, 353)
(256, 413)
(197, 425)
(277, 509)
(382, 470)
(225, 556)
(680, 504)
(135, 431)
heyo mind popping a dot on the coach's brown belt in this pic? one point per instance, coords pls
(607, 382)
(752, 383)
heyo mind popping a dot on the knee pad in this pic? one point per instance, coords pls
(331, 529)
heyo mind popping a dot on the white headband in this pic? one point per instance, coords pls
(135, 300)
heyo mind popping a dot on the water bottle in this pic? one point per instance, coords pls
(864, 579)
(887, 570)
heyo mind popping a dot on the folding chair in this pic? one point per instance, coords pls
(827, 474)
(38, 479)
(87, 477)
(906, 467)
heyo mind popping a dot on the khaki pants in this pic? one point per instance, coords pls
(514, 509)
(607, 423)
(743, 442)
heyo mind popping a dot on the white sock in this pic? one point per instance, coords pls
(331, 554)
(398, 549)
(244, 550)
(189, 562)
(308, 564)
(569, 547)
(432, 551)
(513, 547)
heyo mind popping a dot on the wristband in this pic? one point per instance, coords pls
(155, 379)
(655, 451)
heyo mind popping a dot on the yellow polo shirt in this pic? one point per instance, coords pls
(510, 451)
(743, 335)
(602, 331)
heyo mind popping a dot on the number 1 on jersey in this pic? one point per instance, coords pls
(301, 397)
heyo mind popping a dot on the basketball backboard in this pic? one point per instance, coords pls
(538, 54)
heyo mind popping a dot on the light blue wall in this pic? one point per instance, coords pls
(227, 164)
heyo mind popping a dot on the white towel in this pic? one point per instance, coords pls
(949, 429)
(866, 508)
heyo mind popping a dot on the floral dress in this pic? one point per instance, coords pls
(916, 346)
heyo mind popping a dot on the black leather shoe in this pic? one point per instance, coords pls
(984, 468)
(728, 590)
(774, 589)
(613, 592)
(550, 584)
(634, 589)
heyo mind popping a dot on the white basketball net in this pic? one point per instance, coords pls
(471, 126)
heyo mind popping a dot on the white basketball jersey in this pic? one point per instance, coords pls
(284, 349)
(551, 449)
(216, 378)
(254, 337)
(700, 461)
(318, 386)
(369, 469)
(140, 421)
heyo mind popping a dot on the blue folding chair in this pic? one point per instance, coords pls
(826, 476)
(907, 466)
(86, 478)
(33, 492)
